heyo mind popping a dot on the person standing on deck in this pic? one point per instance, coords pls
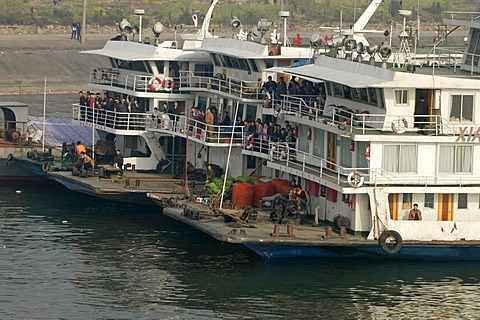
(421, 111)
(209, 119)
(118, 161)
(415, 213)
(282, 86)
(80, 148)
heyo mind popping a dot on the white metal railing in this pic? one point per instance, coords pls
(363, 122)
(179, 125)
(197, 130)
(110, 119)
(138, 82)
(232, 86)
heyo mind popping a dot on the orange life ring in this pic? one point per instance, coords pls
(399, 125)
(249, 141)
(154, 84)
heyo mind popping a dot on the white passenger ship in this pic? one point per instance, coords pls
(362, 152)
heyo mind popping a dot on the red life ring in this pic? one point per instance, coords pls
(249, 141)
(154, 84)
(367, 153)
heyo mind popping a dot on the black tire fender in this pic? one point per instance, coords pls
(9, 157)
(46, 167)
(390, 241)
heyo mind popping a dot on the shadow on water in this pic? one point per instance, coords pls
(101, 259)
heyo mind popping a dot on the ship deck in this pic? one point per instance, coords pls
(131, 187)
(225, 225)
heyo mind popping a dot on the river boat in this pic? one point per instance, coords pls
(382, 141)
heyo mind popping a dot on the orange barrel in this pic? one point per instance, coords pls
(277, 183)
(284, 189)
(242, 194)
(260, 190)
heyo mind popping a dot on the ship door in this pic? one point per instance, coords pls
(331, 150)
(445, 207)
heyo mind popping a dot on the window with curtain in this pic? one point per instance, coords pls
(319, 143)
(462, 108)
(401, 97)
(361, 151)
(462, 201)
(346, 154)
(302, 139)
(400, 158)
(407, 200)
(455, 159)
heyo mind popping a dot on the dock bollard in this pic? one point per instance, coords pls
(276, 230)
(328, 231)
(289, 229)
(343, 231)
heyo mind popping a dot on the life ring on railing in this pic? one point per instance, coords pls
(169, 84)
(390, 241)
(367, 153)
(155, 84)
(267, 99)
(355, 179)
(249, 142)
(399, 125)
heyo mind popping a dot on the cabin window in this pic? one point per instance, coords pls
(380, 98)
(337, 90)
(372, 96)
(328, 87)
(202, 103)
(455, 159)
(462, 108)
(407, 200)
(160, 66)
(251, 112)
(139, 66)
(400, 158)
(113, 62)
(473, 49)
(204, 70)
(429, 200)
(253, 65)
(318, 143)
(269, 64)
(401, 97)
(216, 60)
(462, 201)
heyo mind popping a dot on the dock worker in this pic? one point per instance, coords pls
(80, 148)
(415, 213)
(85, 162)
(118, 160)
(300, 196)
(213, 171)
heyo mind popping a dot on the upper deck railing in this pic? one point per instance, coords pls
(231, 86)
(364, 122)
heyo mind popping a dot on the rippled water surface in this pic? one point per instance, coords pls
(69, 256)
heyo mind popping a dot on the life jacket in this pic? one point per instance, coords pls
(80, 148)
(299, 192)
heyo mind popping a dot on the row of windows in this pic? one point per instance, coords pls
(403, 158)
(225, 61)
(371, 96)
(429, 200)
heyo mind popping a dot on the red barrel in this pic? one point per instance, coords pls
(277, 183)
(284, 189)
(260, 190)
(242, 194)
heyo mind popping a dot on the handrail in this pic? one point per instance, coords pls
(110, 119)
(240, 88)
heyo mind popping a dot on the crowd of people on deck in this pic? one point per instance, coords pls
(203, 120)
(312, 93)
